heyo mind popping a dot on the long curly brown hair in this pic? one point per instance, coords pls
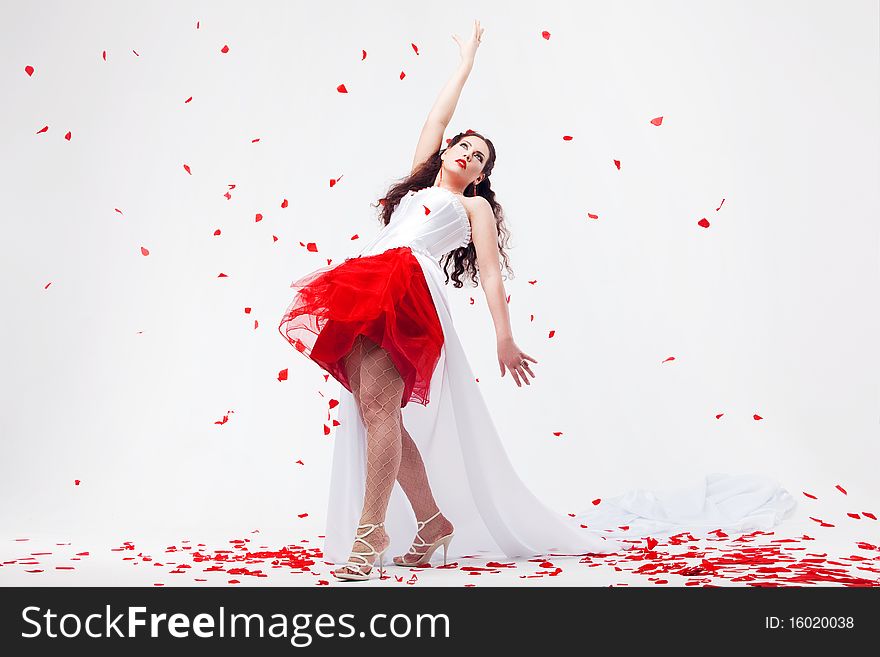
(464, 258)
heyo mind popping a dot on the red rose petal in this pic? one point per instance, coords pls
(144, 251)
(703, 222)
(545, 34)
(657, 121)
(224, 49)
(841, 489)
(29, 70)
(186, 168)
(282, 375)
(341, 89)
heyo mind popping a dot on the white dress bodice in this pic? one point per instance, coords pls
(443, 228)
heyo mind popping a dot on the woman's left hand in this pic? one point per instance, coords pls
(469, 50)
(513, 358)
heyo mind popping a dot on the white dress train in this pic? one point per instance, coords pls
(473, 480)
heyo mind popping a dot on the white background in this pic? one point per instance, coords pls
(117, 373)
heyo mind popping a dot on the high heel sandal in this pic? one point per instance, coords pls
(426, 556)
(360, 574)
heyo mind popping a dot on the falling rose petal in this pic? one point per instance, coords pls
(284, 203)
(326, 430)
(29, 70)
(719, 207)
(335, 423)
(363, 55)
(227, 195)
(119, 211)
(532, 282)
(258, 217)
(704, 223)
(812, 497)
(854, 515)
(186, 168)
(282, 375)
(222, 275)
(341, 89)
(415, 47)
(144, 251)
(471, 301)
(667, 359)
(43, 129)
(302, 515)
(841, 489)
(552, 333)
(104, 55)
(256, 324)
(869, 515)
(567, 137)
(333, 181)
(274, 238)
(402, 75)
(67, 136)
(136, 53)
(546, 35)
(652, 543)
(76, 482)
(427, 209)
(657, 121)
(597, 501)
(757, 417)
(300, 462)
(247, 310)
(531, 318)
(355, 237)
(592, 216)
(333, 403)
(254, 141)
(188, 100)
(311, 246)
(557, 433)
(197, 24)
(719, 416)
(617, 164)
(224, 49)
(46, 287)
(216, 232)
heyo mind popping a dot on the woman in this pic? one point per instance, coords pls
(380, 324)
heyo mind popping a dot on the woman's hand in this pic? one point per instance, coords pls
(514, 359)
(469, 50)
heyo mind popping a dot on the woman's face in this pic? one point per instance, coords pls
(466, 158)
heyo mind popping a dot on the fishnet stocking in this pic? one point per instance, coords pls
(378, 390)
(414, 480)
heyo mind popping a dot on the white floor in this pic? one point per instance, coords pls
(799, 553)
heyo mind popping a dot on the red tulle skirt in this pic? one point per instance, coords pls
(384, 297)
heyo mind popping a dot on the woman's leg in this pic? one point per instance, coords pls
(378, 389)
(414, 480)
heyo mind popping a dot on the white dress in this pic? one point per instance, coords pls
(474, 483)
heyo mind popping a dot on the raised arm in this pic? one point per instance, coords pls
(430, 141)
